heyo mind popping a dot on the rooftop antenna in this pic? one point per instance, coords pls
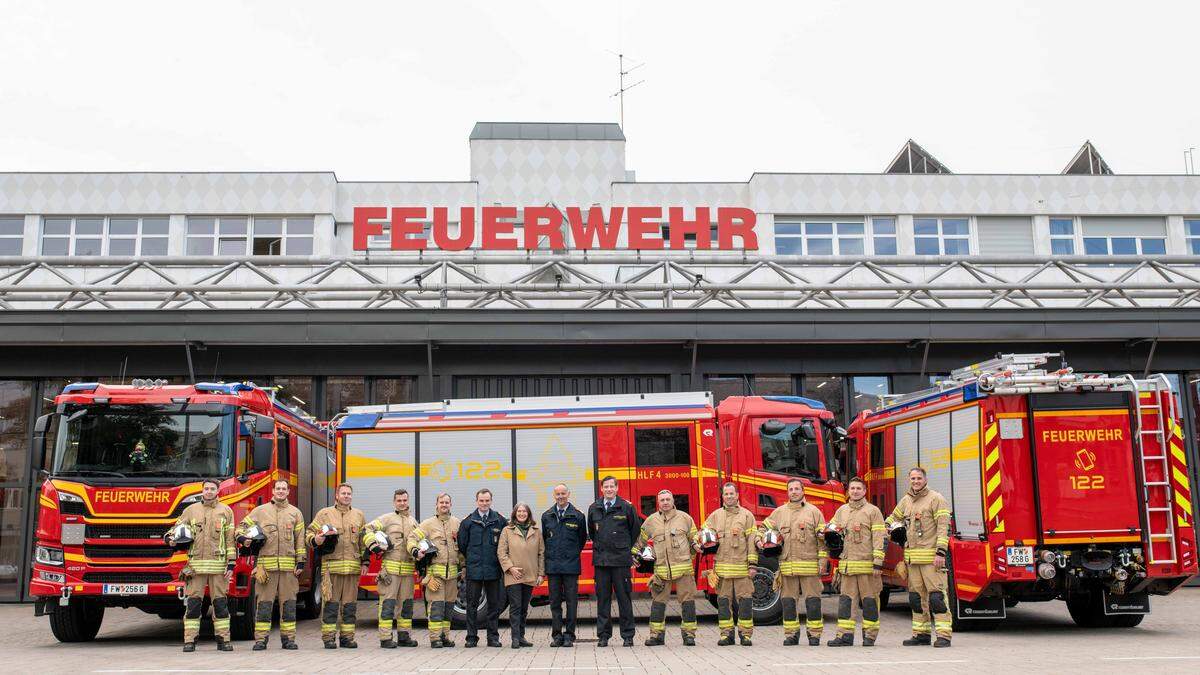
(1189, 161)
(620, 94)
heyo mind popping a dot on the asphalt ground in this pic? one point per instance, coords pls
(1036, 637)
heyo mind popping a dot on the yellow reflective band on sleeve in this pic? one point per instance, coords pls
(941, 512)
(823, 554)
(878, 555)
(768, 524)
(878, 528)
(418, 533)
(942, 542)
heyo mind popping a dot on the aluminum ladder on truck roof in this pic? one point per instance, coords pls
(1157, 386)
(1023, 365)
(519, 404)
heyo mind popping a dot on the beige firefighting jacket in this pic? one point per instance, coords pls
(212, 536)
(349, 521)
(926, 518)
(737, 534)
(398, 526)
(673, 535)
(799, 524)
(861, 524)
(442, 532)
(283, 524)
(526, 551)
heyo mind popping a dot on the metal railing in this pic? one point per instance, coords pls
(659, 280)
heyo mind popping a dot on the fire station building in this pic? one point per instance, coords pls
(862, 285)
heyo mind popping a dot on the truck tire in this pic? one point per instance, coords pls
(458, 611)
(79, 621)
(1087, 610)
(768, 610)
(241, 616)
(310, 601)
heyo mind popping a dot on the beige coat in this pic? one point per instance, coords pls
(527, 552)
(349, 523)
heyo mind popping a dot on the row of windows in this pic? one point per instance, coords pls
(149, 235)
(1065, 240)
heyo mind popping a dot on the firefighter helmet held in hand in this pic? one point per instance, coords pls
(771, 546)
(645, 560)
(380, 543)
(899, 534)
(252, 541)
(709, 543)
(835, 540)
(181, 537)
(331, 539)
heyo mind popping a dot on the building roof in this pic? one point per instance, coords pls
(912, 158)
(1088, 162)
(547, 131)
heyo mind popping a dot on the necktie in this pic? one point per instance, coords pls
(607, 505)
(560, 514)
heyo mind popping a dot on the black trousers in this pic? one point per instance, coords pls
(563, 588)
(493, 590)
(518, 609)
(610, 581)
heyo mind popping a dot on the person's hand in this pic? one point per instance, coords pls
(517, 573)
(362, 569)
(228, 575)
(319, 539)
(939, 562)
(759, 544)
(299, 570)
(538, 581)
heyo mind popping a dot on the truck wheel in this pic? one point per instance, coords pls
(79, 621)
(1087, 610)
(310, 600)
(241, 616)
(768, 611)
(458, 611)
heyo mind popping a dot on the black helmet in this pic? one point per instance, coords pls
(252, 541)
(771, 546)
(181, 537)
(834, 540)
(899, 535)
(331, 540)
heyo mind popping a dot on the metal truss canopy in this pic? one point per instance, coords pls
(599, 281)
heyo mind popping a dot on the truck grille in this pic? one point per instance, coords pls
(97, 531)
(127, 577)
(72, 508)
(128, 551)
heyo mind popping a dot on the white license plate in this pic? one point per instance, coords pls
(125, 589)
(1020, 555)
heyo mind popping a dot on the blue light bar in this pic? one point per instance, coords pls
(797, 400)
(80, 387)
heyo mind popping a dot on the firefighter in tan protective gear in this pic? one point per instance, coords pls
(859, 523)
(738, 537)
(278, 562)
(211, 558)
(341, 567)
(396, 568)
(440, 580)
(802, 562)
(925, 515)
(671, 536)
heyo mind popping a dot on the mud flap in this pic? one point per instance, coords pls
(990, 607)
(1129, 603)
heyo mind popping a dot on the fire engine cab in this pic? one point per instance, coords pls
(520, 448)
(1062, 485)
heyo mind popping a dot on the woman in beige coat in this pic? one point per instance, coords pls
(522, 556)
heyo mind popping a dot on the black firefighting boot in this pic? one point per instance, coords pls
(868, 641)
(436, 643)
(289, 642)
(791, 640)
(942, 642)
(689, 640)
(744, 640)
(260, 645)
(814, 641)
(655, 640)
(917, 640)
(347, 642)
(846, 640)
(387, 644)
(330, 643)
(189, 646)
(403, 640)
(226, 646)
(726, 639)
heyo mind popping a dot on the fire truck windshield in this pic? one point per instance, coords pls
(149, 441)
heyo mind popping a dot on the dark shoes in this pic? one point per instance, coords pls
(557, 641)
(602, 642)
(260, 645)
(189, 646)
(942, 642)
(655, 640)
(689, 640)
(347, 643)
(628, 642)
(568, 642)
(791, 640)
(726, 640)
(525, 643)
(745, 640)
(814, 642)
(436, 643)
(868, 642)
(387, 644)
(917, 640)
(403, 640)
(494, 642)
(225, 646)
(471, 643)
(289, 643)
(842, 641)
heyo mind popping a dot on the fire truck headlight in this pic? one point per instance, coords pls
(1120, 574)
(53, 577)
(1047, 556)
(48, 556)
(1046, 570)
(68, 497)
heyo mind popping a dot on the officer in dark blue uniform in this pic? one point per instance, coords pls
(478, 536)
(565, 531)
(613, 525)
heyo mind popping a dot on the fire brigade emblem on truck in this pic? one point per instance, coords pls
(1085, 460)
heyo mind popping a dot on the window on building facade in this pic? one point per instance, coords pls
(12, 234)
(295, 391)
(827, 389)
(1062, 236)
(240, 235)
(867, 392)
(1191, 228)
(883, 235)
(820, 237)
(104, 235)
(385, 390)
(723, 386)
(1124, 245)
(342, 392)
(942, 236)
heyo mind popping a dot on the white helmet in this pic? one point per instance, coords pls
(380, 542)
(181, 537)
(648, 553)
(709, 542)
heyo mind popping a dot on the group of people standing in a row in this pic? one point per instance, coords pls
(503, 560)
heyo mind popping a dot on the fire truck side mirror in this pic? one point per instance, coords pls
(264, 448)
(772, 427)
(264, 425)
(40, 429)
(807, 431)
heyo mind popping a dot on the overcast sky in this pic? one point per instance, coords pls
(390, 90)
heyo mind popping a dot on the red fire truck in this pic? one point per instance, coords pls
(521, 447)
(1062, 486)
(127, 460)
